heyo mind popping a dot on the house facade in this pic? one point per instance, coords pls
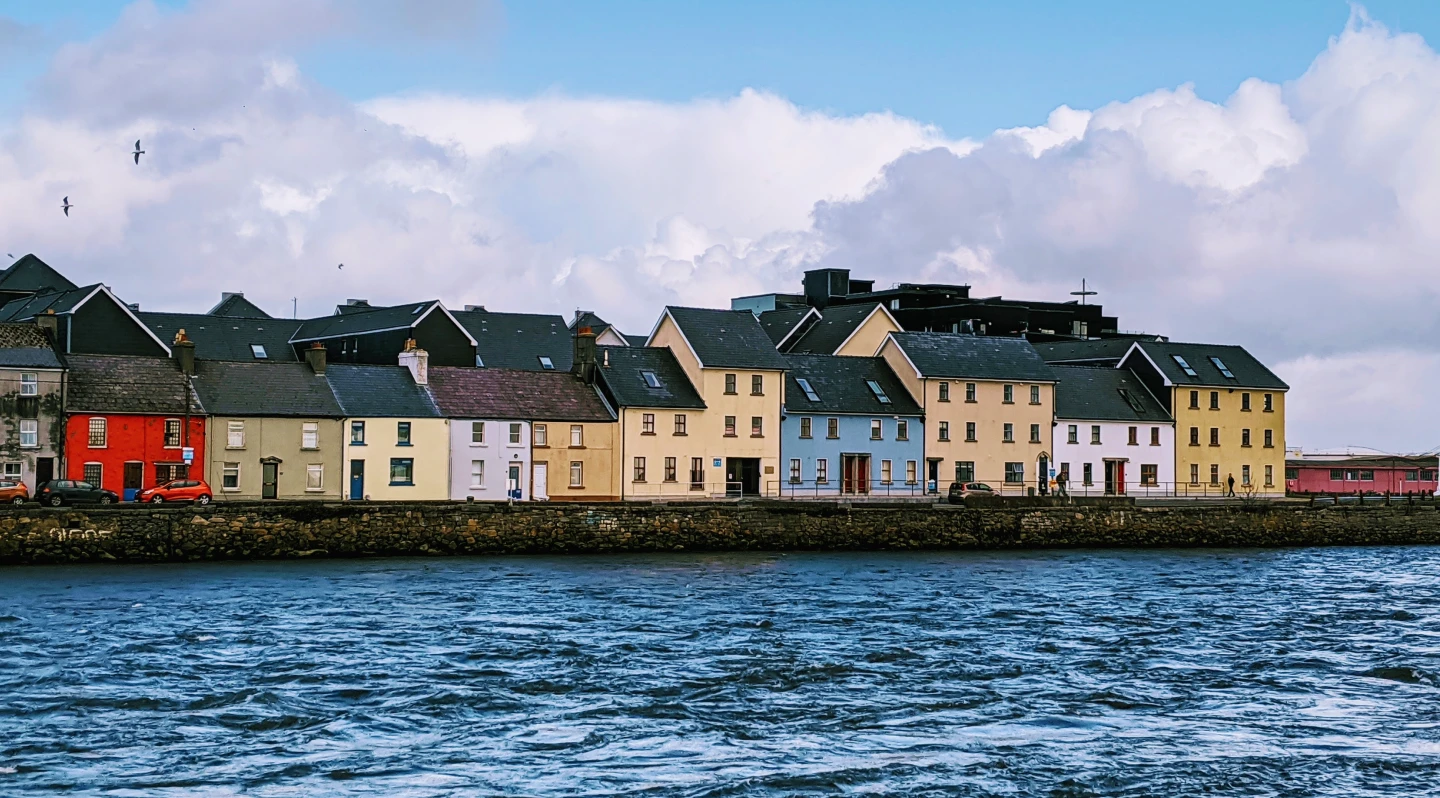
(657, 408)
(1112, 437)
(396, 444)
(32, 415)
(1396, 475)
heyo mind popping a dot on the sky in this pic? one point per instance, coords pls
(1257, 174)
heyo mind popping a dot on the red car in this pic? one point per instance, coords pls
(14, 492)
(180, 490)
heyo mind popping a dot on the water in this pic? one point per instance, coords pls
(1299, 672)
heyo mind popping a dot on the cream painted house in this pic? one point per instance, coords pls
(658, 408)
(396, 443)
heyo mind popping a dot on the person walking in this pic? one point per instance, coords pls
(1060, 479)
(1230, 486)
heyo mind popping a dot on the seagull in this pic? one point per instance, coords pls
(138, 152)
(66, 206)
(342, 265)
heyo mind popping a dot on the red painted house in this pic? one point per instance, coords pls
(1397, 475)
(129, 420)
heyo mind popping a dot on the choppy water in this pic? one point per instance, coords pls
(1302, 672)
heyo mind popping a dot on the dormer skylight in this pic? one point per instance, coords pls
(258, 351)
(417, 309)
(650, 379)
(1185, 367)
(546, 363)
(1220, 364)
(878, 391)
(809, 392)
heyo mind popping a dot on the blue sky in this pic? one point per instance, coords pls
(968, 67)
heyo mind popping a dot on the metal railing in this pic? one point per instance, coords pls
(853, 490)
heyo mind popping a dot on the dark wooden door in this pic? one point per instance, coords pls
(44, 470)
(269, 477)
(134, 480)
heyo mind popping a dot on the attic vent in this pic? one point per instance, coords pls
(809, 392)
(1220, 364)
(878, 391)
(650, 378)
(1180, 361)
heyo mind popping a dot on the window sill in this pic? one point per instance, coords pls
(1245, 410)
(541, 446)
(1267, 411)
(942, 440)
(1034, 404)
(477, 487)
(229, 490)
(514, 446)
(794, 482)
(873, 438)
(648, 434)
(822, 482)
(397, 443)
(314, 490)
(731, 435)
(234, 448)
(946, 401)
(832, 437)
(1011, 442)
(357, 443)
(1011, 402)
(903, 440)
(28, 446)
(697, 487)
(972, 401)
(679, 434)
(309, 448)
(805, 437)
(402, 484)
(573, 446)
(576, 487)
(756, 436)
(1268, 446)
(637, 482)
(752, 393)
(731, 393)
(1246, 446)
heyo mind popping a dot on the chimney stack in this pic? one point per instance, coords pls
(50, 323)
(584, 361)
(184, 351)
(315, 357)
(417, 360)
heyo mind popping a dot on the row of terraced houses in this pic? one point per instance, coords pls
(840, 391)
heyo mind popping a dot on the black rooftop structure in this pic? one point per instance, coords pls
(264, 389)
(1100, 351)
(1095, 393)
(621, 377)
(30, 275)
(832, 329)
(724, 339)
(88, 320)
(519, 340)
(782, 325)
(377, 335)
(236, 305)
(841, 385)
(979, 357)
(379, 391)
(226, 338)
(1203, 364)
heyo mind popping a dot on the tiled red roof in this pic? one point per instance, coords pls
(511, 393)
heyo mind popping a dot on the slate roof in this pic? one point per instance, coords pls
(264, 389)
(625, 381)
(394, 317)
(383, 391)
(29, 273)
(26, 346)
(225, 338)
(835, 325)
(980, 357)
(515, 394)
(727, 339)
(59, 301)
(588, 318)
(1092, 393)
(236, 305)
(778, 323)
(636, 340)
(1249, 372)
(839, 382)
(517, 340)
(1102, 350)
(127, 384)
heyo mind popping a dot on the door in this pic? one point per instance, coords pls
(44, 470)
(538, 482)
(855, 473)
(512, 482)
(1042, 471)
(357, 480)
(1120, 478)
(742, 476)
(932, 476)
(134, 481)
(1114, 476)
(269, 477)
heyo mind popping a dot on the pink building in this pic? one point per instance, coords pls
(1397, 475)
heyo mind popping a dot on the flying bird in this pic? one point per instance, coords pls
(66, 206)
(138, 152)
(342, 265)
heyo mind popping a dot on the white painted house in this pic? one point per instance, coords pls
(1112, 436)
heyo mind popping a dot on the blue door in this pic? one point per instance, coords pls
(357, 480)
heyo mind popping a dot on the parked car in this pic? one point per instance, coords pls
(178, 490)
(14, 492)
(73, 491)
(960, 491)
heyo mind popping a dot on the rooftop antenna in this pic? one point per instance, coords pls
(1083, 292)
(294, 307)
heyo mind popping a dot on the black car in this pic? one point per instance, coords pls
(73, 491)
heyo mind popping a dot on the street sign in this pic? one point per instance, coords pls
(188, 455)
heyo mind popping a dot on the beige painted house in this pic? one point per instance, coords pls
(396, 444)
(658, 407)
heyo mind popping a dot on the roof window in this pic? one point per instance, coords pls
(1189, 372)
(878, 391)
(1132, 400)
(809, 392)
(479, 362)
(650, 379)
(546, 363)
(258, 351)
(1220, 364)
(417, 309)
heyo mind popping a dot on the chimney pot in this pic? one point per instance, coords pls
(584, 360)
(315, 358)
(183, 350)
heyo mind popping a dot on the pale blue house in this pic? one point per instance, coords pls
(849, 428)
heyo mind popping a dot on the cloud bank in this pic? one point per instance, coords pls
(1294, 219)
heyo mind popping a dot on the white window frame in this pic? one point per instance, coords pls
(477, 426)
(235, 435)
(99, 469)
(477, 474)
(794, 471)
(577, 436)
(517, 434)
(887, 472)
(309, 435)
(179, 434)
(540, 434)
(577, 474)
(91, 427)
(29, 383)
(225, 470)
(315, 473)
(33, 433)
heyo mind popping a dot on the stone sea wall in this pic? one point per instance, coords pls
(278, 531)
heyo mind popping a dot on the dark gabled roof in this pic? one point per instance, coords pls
(386, 391)
(517, 340)
(836, 324)
(359, 322)
(34, 275)
(1102, 350)
(636, 340)
(1094, 393)
(1249, 372)
(515, 394)
(779, 323)
(979, 357)
(264, 389)
(237, 306)
(59, 301)
(27, 346)
(226, 338)
(127, 384)
(588, 318)
(840, 384)
(727, 339)
(624, 377)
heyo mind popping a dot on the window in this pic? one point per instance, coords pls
(29, 433)
(402, 471)
(877, 429)
(1088, 472)
(794, 471)
(729, 426)
(1244, 475)
(230, 476)
(902, 430)
(402, 433)
(679, 423)
(805, 386)
(1094, 434)
(1154, 436)
(93, 473)
(1185, 367)
(479, 362)
(1224, 372)
(697, 472)
(1072, 434)
(1214, 436)
(357, 433)
(1194, 436)
(970, 432)
(477, 473)
(757, 427)
(1427, 475)
(13, 472)
(1269, 439)
(1134, 436)
(577, 436)
(540, 434)
(910, 472)
(546, 363)
(1079, 329)
(647, 424)
(944, 391)
(650, 379)
(477, 433)
(172, 432)
(1269, 476)
(1269, 403)
(964, 471)
(1194, 473)
(258, 352)
(832, 428)
(1194, 400)
(1014, 473)
(235, 435)
(97, 433)
(29, 384)
(1214, 473)
(1034, 394)
(1292, 473)
(943, 432)
(1009, 436)
(1367, 476)
(315, 477)
(670, 469)
(969, 391)
(168, 473)
(730, 383)
(516, 429)
(1009, 397)
(1245, 402)
(894, 304)
(1034, 433)
(1149, 474)
(878, 391)
(1214, 400)
(822, 471)
(639, 470)
(757, 385)
(805, 427)
(885, 472)
(1245, 437)
(577, 474)
(310, 435)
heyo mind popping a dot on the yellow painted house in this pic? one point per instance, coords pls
(396, 444)
(1229, 412)
(658, 410)
(989, 405)
(733, 368)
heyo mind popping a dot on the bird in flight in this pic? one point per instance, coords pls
(66, 206)
(342, 265)
(138, 152)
